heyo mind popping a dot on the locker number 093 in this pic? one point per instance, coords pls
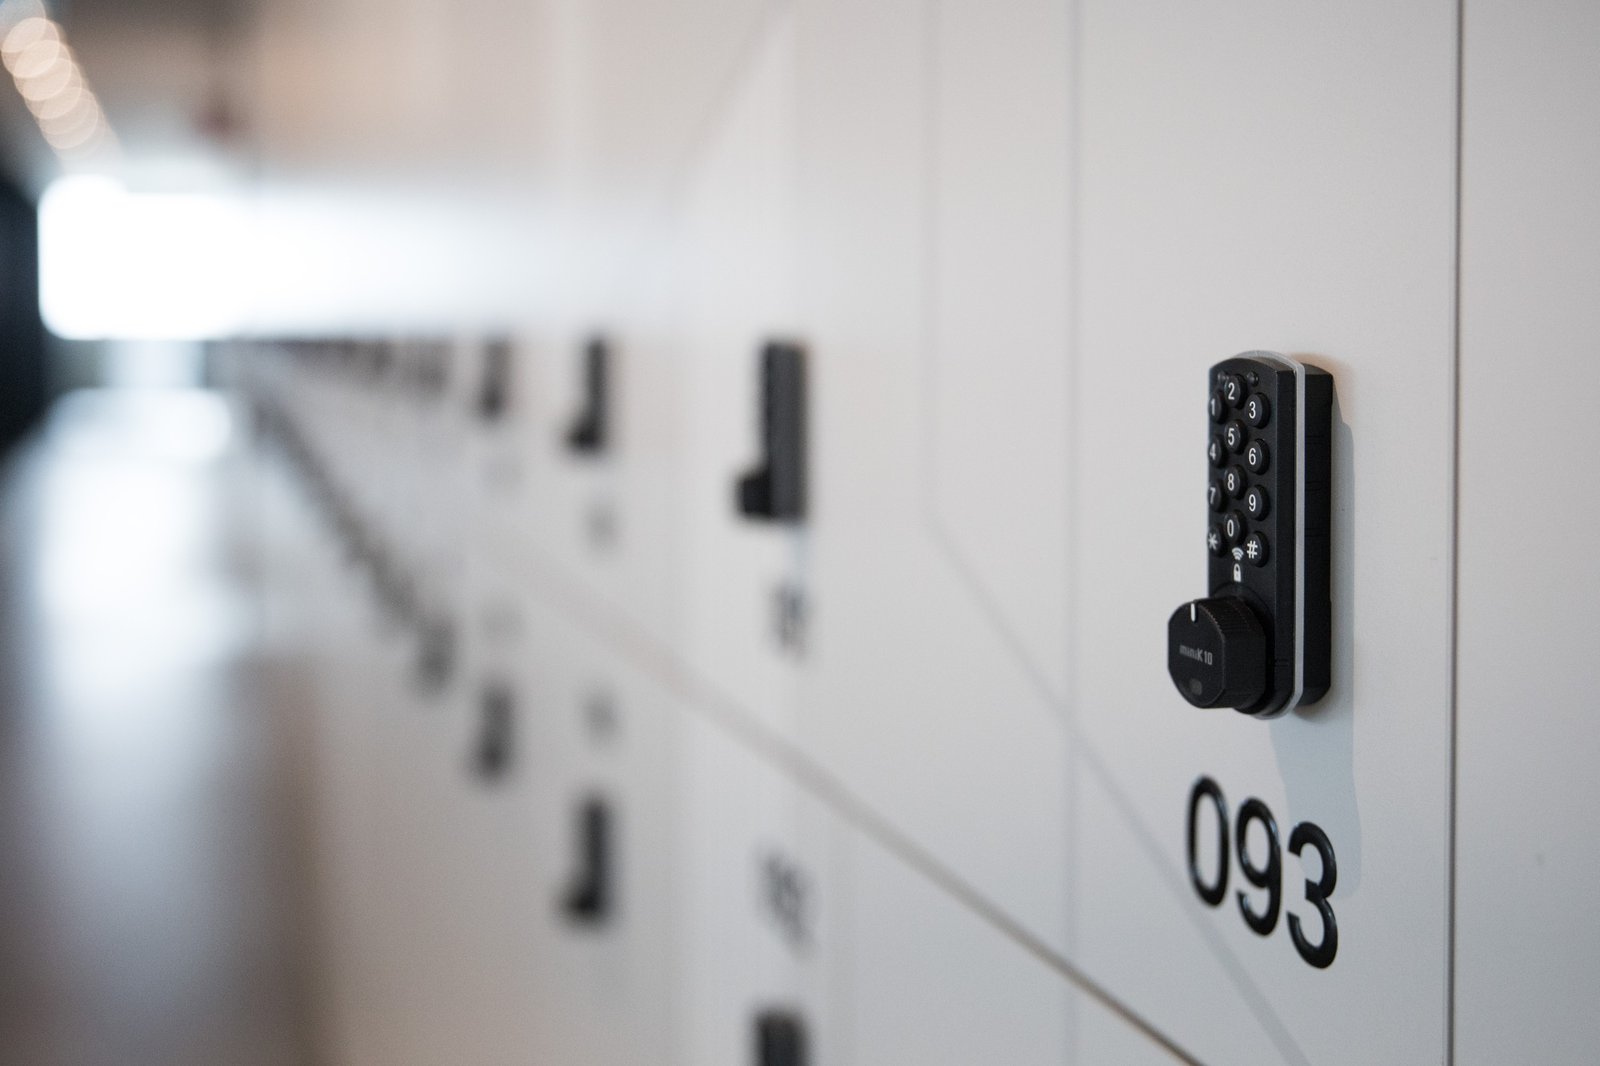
(1267, 873)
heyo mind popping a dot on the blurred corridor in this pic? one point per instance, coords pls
(149, 894)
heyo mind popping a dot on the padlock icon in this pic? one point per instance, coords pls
(1238, 572)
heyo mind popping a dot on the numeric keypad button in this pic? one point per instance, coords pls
(1214, 542)
(1256, 503)
(1219, 406)
(1233, 436)
(1257, 410)
(1216, 452)
(1233, 481)
(1216, 497)
(1232, 387)
(1256, 456)
(1233, 527)
(1255, 549)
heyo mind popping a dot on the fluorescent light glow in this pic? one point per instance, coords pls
(80, 112)
(118, 264)
(70, 99)
(38, 58)
(76, 137)
(50, 80)
(25, 34)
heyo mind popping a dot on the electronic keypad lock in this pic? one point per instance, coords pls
(591, 432)
(589, 899)
(1260, 641)
(775, 491)
(780, 1039)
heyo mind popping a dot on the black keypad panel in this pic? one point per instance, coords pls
(1253, 402)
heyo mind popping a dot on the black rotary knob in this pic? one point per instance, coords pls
(1217, 653)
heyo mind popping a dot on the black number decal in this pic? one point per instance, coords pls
(1269, 877)
(787, 892)
(789, 611)
(1212, 893)
(1319, 954)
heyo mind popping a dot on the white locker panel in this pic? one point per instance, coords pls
(931, 981)
(343, 729)
(607, 519)
(498, 394)
(737, 235)
(913, 696)
(1261, 175)
(997, 311)
(933, 984)
(1101, 1037)
(756, 924)
(631, 91)
(413, 729)
(610, 738)
(1527, 948)
(475, 867)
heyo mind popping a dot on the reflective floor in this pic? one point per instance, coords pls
(150, 865)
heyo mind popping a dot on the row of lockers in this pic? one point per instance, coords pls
(1009, 240)
(538, 838)
(484, 547)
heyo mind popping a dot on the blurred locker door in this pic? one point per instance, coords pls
(757, 919)
(934, 251)
(1526, 947)
(1266, 176)
(735, 232)
(417, 506)
(604, 804)
(631, 92)
(932, 981)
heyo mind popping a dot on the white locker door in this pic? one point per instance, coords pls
(1261, 175)
(1527, 805)
(343, 769)
(603, 905)
(476, 942)
(603, 519)
(931, 676)
(736, 234)
(931, 981)
(633, 95)
(756, 926)
(995, 368)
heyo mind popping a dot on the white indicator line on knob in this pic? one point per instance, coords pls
(1191, 610)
